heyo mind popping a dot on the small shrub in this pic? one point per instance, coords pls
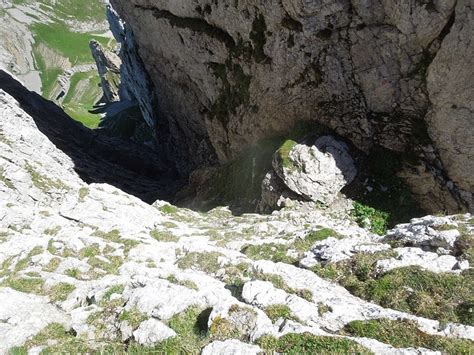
(168, 209)
(277, 311)
(378, 219)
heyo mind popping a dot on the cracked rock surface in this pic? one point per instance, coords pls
(90, 267)
(382, 74)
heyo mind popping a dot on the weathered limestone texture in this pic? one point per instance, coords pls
(392, 74)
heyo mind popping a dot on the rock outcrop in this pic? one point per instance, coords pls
(88, 267)
(108, 66)
(391, 74)
(313, 171)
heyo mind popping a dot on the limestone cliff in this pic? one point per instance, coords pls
(86, 268)
(390, 74)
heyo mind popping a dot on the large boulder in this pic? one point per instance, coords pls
(227, 74)
(317, 172)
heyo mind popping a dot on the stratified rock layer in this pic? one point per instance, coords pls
(393, 74)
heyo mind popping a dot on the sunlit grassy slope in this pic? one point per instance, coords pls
(61, 44)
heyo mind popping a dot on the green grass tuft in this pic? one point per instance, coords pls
(306, 343)
(404, 334)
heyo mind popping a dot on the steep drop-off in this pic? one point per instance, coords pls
(392, 75)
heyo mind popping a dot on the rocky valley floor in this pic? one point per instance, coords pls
(90, 268)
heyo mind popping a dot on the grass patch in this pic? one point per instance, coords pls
(279, 282)
(116, 289)
(89, 251)
(404, 334)
(390, 200)
(24, 284)
(164, 236)
(74, 273)
(284, 153)
(186, 283)
(277, 311)
(83, 192)
(72, 45)
(368, 217)
(4, 179)
(60, 291)
(271, 251)
(25, 262)
(442, 296)
(52, 231)
(191, 330)
(306, 343)
(313, 237)
(206, 261)
(110, 266)
(133, 317)
(169, 209)
(43, 182)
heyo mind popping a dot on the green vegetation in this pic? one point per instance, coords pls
(110, 265)
(169, 209)
(60, 291)
(72, 45)
(116, 289)
(43, 182)
(404, 334)
(222, 329)
(277, 311)
(390, 201)
(3, 179)
(23, 263)
(186, 283)
(306, 343)
(191, 330)
(83, 192)
(284, 153)
(82, 96)
(133, 317)
(89, 251)
(442, 296)
(164, 236)
(371, 218)
(56, 339)
(271, 251)
(278, 282)
(206, 261)
(53, 231)
(280, 252)
(74, 273)
(24, 284)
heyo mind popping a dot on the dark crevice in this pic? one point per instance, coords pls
(98, 158)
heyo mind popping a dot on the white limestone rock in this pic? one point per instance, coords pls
(317, 171)
(151, 332)
(23, 315)
(231, 347)
(426, 232)
(417, 257)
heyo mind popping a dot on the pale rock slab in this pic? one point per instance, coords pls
(231, 347)
(23, 315)
(151, 332)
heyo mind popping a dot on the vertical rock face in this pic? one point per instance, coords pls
(380, 73)
(108, 67)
